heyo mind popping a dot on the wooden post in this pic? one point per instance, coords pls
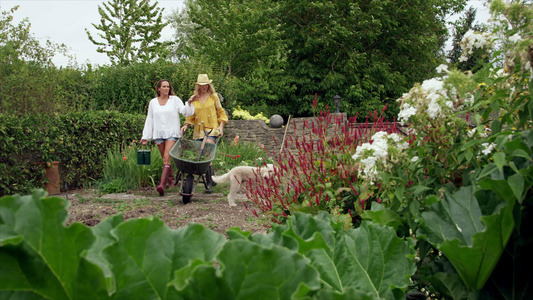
(286, 127)
(52, 173)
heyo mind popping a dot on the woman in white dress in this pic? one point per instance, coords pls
(162, 125)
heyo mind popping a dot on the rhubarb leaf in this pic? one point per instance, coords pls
(42, 253)
(146, 254)
(471, 239)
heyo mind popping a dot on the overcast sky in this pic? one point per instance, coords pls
(64, 21)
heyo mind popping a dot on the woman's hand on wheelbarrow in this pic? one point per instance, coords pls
(220, 130)
(184, 128)
(144, 142)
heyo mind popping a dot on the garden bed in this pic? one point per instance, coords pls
(211, 210)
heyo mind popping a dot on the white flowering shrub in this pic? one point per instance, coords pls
(467, 159)
(475, 40)
(437, 99)
(376, 155)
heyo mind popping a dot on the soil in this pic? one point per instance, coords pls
(211, 210)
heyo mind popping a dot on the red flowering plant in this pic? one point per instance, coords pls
(315, 170)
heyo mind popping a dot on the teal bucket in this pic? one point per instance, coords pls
(143, 157)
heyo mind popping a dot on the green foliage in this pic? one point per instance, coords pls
(461, 27)
(121, 172)
(231, 154)
(30, 82)
(309, 258)
(78, 140)
(130, 30)
(471, 232)
(236, 36)
(129, 89)
(367, 52)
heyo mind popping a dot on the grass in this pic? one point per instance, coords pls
(121, 172)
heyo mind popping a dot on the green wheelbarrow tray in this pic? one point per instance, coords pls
(190, 166)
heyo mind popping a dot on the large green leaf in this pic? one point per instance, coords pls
(381, 215)
(374, 260)
(461, 227)
(369, 259)
(102, 231)
(40, 256)
(146, 254)
(249, 271)
(309, 257)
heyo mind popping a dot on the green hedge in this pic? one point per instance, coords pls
(78, 140)
(31, 89)
(129, 89)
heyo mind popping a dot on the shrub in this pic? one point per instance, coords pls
(315, 172)
(78, 140)
(121, 172)
(460, 183)
(241, 114)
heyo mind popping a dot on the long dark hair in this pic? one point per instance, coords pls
(159, 83)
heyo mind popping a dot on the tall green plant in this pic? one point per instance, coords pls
(131, 30)
(231, 154)
(121, 172)
(467, 177)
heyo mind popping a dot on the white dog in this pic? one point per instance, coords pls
(239, 175)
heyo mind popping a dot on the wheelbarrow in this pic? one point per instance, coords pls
(192, 169)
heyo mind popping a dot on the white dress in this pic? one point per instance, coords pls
(163, 121)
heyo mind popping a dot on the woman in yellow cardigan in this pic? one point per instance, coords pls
(209, 112)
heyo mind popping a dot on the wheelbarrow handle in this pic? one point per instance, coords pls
(203, 141)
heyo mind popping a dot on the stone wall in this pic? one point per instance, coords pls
(258, 132)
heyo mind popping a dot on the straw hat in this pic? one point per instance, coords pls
(203, 79)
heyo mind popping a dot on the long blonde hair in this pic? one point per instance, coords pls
(210, 90)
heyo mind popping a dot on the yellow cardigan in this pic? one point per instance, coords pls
(210, 112)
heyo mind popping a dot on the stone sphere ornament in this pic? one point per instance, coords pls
(276, 121)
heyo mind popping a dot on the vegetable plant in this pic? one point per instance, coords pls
(309, 257)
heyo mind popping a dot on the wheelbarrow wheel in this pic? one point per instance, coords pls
(187, 188)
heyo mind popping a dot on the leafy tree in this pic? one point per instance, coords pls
(242, 40)
(236, 35)
(369, 52)
(29, 81)
(461, 27)
(17, 44)
(130, 30)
